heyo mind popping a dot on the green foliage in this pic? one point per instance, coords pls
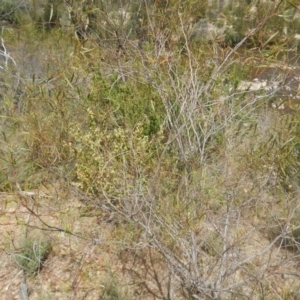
(213, 245)
(111, 160)
(51, 14)
(113, 290)
(278, 152)
(15, 164)
(32, 254)
(296, 236)
(12, 11)
(130, 103)
(233, 36)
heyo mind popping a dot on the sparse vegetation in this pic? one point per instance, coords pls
(161, 139)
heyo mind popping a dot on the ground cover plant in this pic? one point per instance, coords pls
(32, 255)
(155, 144)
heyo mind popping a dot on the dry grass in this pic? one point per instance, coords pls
(154, 175)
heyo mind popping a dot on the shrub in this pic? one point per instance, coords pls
(32, 255)
(111, 159)
(13, 11)
(113, 290)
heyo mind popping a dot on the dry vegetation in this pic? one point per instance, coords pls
(149, 150)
